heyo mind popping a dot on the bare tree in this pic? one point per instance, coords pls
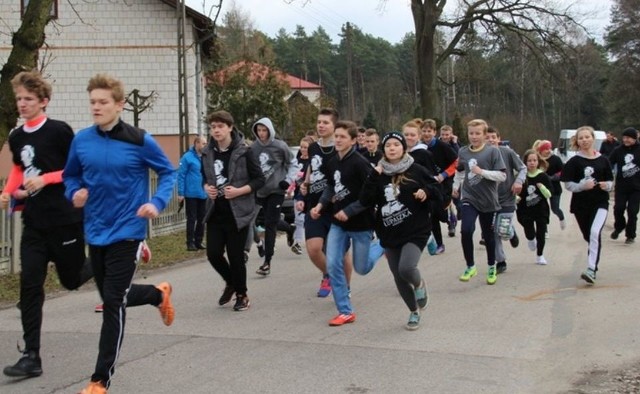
(536, 23)
(26, 42)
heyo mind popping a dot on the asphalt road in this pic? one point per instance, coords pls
(539, 329)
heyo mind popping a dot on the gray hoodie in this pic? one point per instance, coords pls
(275, 160)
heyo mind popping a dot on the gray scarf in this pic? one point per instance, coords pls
(398, 168)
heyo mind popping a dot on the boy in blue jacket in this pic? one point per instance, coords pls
(107, 174)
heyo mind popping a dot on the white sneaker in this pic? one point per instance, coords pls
(563, 224)
(533, 244)
(541, 260)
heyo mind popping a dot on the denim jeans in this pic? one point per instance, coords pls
(365, 255)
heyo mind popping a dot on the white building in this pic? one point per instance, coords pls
(135, 41)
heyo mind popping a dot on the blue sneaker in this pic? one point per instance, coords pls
(325, 287)
(422, 297)
(414, 321)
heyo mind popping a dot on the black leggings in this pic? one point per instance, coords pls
(535, 228)
(469, 216)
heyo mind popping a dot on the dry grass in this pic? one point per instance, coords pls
(166, 250)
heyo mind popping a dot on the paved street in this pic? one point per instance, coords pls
(538, 330)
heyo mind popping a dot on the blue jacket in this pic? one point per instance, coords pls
(190, 182)
(114, 168)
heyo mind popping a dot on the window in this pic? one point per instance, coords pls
(53, 13)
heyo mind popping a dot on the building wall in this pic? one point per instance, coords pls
(135, 41)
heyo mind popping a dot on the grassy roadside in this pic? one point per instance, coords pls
(166, 250)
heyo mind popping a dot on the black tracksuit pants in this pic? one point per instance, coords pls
(114, 267)
(62, 245)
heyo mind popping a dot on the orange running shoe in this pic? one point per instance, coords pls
(343, 318)
(166, 308)
(94, 388)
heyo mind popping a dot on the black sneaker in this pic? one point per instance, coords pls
(482, 241)
(514, 241)
(264, 269)
(292, 229)
(615, 233)
(191, 248)
(501, 267)
(242, 303)
(261, 249)
(246, 256)
(629, 240)
(227, 295)
(29, 366)
(200, 246)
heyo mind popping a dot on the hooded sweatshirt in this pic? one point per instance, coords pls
(275, 160)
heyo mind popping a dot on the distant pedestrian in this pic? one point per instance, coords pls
(554, 170)
(445, 160)
(402, 191)
(303, 164)
(372, 142)
(609, 144)
(191, 193)
(107, 173)
(589, 177)
(480, 169)
(533, 208)
(626, 158)
(447, 136)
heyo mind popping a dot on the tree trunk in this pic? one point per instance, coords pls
(425, 15)
(26, 42)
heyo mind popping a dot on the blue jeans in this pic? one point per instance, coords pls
(365, 255)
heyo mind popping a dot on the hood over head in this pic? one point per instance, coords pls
(269, 125)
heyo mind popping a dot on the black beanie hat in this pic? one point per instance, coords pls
(630, 132)
(397, 135)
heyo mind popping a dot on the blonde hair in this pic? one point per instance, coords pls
(574, 139)
(107, 82)
(479, 122)
(414, 123)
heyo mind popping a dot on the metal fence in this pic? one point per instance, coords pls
(168, 222)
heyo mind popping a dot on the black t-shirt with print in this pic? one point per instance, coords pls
(222, 208)
(627, 160)
(39, 152)
(579, 168)
(533, 204)
(318, 156)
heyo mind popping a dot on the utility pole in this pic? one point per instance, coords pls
(183, 98)
(350, 92)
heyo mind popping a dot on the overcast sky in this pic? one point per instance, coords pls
(391, 23)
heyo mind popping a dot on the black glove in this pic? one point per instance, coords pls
(284, 185)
